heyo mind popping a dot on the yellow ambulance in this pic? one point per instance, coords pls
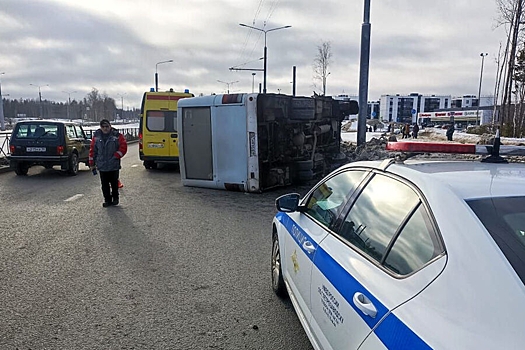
(158, 137)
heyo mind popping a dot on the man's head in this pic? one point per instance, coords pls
(105, 126)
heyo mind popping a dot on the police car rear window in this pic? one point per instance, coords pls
(504, 218)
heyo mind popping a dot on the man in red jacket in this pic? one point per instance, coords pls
(108, 146)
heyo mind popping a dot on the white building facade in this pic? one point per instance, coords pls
(404, 108)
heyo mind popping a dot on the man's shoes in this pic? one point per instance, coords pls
(115, 202)
(107, 204)
(120, 184)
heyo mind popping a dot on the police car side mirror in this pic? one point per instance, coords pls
(288, 203)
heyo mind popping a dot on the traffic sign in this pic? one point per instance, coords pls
(414, 111)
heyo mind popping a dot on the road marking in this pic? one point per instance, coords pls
(74, 198)
(134, 165)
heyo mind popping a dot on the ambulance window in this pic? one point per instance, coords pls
(173, 118)
(155, 121)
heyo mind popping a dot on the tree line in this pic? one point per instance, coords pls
(92, 108)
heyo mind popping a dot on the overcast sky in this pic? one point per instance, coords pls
(424, 46)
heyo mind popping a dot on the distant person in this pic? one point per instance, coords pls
(415, 130)
(375, 127)
(107, 148)
(450, 131)
(406, 131)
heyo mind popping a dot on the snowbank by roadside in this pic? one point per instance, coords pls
(376, 142)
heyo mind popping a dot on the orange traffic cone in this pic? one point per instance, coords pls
(120, 184)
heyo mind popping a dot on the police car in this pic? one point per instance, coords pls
(412, 254)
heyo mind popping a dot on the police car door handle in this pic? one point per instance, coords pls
(309, 247)
(364, 304)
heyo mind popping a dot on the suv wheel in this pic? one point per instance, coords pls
(73, 165)
(21, 169)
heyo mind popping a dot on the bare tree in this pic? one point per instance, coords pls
(100, 106)
(321, 62)
(511, 16)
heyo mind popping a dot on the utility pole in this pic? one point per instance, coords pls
(157, 74)
(40, 98)
(265, 31)
(2, 119)
(479, 90)
(363, 75)
(228, 84)
(69, 102)
(122, 104)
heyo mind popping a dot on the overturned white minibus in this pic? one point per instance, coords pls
(255, 142)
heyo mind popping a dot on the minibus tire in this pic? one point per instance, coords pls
(149, 164)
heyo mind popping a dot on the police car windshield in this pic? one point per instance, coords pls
(504, 218)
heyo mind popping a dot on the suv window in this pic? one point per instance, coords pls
(80, 132)
(386, 214)
(70, 131)
(504, 218)
(36, 130)
(328, 199)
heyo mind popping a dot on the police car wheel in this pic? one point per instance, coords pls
(277, 277)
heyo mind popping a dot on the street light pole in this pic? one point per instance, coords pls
(228, 84)
(479, 90)
(2, 119)
(253, 82)
(69, 101)
(40, 98)
(265, 48)
(157, 74)
(364, 67)
(122, 104)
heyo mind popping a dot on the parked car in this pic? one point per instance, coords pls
(413, 255)
(48, 143)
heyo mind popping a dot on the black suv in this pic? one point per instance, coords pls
(48, 143)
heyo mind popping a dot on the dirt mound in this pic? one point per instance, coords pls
(371, 150)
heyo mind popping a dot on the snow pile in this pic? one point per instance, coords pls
(374, 149)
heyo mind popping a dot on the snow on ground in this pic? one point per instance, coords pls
(374, 148)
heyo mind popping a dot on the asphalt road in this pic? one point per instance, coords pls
(172, 267)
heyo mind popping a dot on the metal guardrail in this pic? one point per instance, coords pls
(4, 143)
(131, 134)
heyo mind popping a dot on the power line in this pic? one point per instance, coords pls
(273, 6)
(243, 55)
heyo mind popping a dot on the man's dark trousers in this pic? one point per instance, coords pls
(109, 181)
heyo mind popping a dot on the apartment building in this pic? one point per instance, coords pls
(404, 108)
